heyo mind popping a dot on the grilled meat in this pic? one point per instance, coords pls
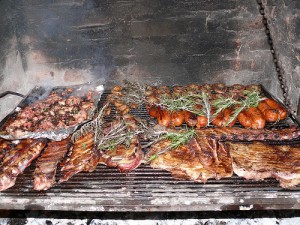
(259, 161)
(18, 159)
(4, 146)
(83, 156)
(198, 160)
(217, 104)
(239, 134)
(119, 144)
(46, 166)
(242, 134)
(125, 158)
(57, 111)
(129, 96)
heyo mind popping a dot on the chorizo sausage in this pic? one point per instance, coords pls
(177, 118)
(190, 118)
(153, 111)
(271, 115)
(201, 121)
(258, 120)
(164, 118)
(275, 105)
(244, 119)
(223, 118)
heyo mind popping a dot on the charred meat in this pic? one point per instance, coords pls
(18, 159)
(82, 157)
(259, 161)
(46, 166)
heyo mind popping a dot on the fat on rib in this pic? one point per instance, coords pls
(18, 159)
(259, 161)
(46, 165)
(83, 156)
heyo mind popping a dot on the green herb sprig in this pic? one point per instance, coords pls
(177, 139)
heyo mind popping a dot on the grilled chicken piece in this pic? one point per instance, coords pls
(198, 160)
(82, 157)
(125, 153)
(18, 159)
(46, 166)
(259, 161)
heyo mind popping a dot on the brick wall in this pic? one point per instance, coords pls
(167, 42)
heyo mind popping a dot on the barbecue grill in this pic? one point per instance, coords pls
(170, 43)
(148, 189)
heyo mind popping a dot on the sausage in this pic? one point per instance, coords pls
(258, 120)
(177, 118)
(219, 88)
(227, 117)
(153, 111)
(201, 121)
(271, 115)
(275, 105)
(178, 91)
(223, 118)
(244, 119)
(253, 87)
(164, 118)
(190, 118)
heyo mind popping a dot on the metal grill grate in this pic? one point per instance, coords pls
(147, 189)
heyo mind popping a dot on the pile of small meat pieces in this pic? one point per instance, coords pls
(58, 110)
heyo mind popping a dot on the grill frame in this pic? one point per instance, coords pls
(150, 190)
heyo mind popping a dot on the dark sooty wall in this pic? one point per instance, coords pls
(157, 42)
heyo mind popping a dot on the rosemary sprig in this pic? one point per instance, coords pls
(91, 126)
(188, 102)
(252, 98)
(223, 103)
(133, 93)
(176, 139)
(206, 106)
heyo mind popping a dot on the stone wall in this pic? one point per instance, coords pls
(284, 23)
(157, 42)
